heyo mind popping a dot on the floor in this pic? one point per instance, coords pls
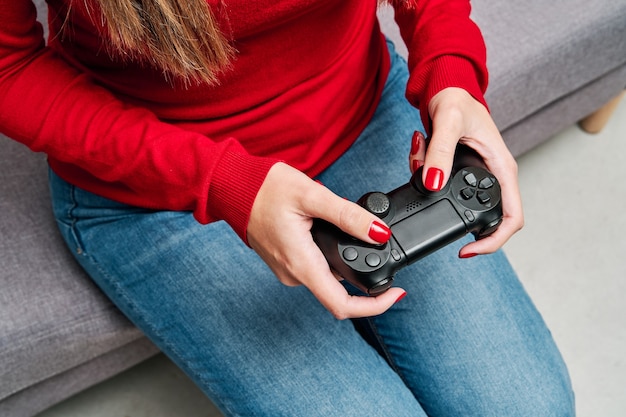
(571, 256)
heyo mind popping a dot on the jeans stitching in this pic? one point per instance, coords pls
(380, 341)
(73, 219)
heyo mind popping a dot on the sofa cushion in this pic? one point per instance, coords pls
(53, 318)
(540, 51)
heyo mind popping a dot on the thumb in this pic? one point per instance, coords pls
(349, 217)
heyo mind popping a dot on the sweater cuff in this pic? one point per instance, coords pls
(234, 185)
(445, 71)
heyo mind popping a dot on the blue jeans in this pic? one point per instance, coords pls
(466, 341)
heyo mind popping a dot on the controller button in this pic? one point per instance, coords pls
(469, 215)
(372, 260)
(467, 193)
(490, 228)
(381, 287)
(378, 204)
(350, 254)
(396, 255)
(483, 197)
(486, 183)
(470, 179)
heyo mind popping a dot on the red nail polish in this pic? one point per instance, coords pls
(379, 232)
(467, 255)
(401, 297)
(434, 179)
(415, 142)
(416, 165)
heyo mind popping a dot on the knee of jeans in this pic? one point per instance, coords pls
(537, 400)
(554, 397)
(542, 389)
(546, 394)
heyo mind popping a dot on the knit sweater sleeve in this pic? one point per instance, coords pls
(54, 108)
(446, 49)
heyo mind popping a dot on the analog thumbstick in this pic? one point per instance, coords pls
(377, 203)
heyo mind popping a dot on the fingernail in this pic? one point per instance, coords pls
(467, 255)
(401, 297)
(415, 142)
(379, 232)
(434, 179)
(416, 165)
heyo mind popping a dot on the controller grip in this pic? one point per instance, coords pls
(363, 265)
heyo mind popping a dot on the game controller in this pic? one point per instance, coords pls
(421, 222)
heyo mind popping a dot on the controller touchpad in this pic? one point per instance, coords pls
(429, 229)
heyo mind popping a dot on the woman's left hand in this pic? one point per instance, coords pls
(459, 118)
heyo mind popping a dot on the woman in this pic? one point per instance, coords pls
(179, 134)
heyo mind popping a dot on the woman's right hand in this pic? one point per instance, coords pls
(279, 230)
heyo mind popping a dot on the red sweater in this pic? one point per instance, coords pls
(306, 80)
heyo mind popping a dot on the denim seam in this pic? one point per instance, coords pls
(383, 346)
(73, 219)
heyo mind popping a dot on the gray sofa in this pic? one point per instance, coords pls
(551, 64)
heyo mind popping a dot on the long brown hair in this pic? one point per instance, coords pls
(180, 37)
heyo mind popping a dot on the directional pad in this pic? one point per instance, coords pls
(486, 183)
(467, 193)
(476, 189)
(483, 197)
(470, 179)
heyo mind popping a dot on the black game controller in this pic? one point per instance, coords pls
(421, 222)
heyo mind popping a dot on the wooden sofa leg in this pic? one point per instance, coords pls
(598, 119)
